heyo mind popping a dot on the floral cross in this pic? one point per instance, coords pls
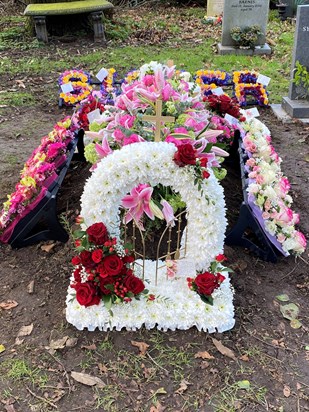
(159, 120)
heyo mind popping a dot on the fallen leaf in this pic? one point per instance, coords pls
(89, 347)
(183, 387)
(298, 386)
(2, 348)
(9, 304)
(87, 379)
(295, 324)
(283, 298)
(142, 346)
(30, 287)
(57, 344)
(223, 349)
(204, 355)
(9, 408)
(71, 342)
(102, 368)
(204, 364)
(157, 408)
(25, 330)
(20, 83)
(244, 358)
(289, 311)
(286, 391)
(48, 248)
(243, 384)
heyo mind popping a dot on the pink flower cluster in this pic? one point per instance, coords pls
(38, 172)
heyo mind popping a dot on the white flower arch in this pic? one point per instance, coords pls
(152, 162)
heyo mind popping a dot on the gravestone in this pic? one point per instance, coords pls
(297, 102)
(215, 7)
(244, 13)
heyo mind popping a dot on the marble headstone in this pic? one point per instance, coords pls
(215, 7)
(244, 13)
(297, 102)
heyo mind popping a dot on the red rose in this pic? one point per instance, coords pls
(106, 281)
(128, 259)
(86, 259)
(220, 278)
(97, 233)
(134, 284)
(185, 155)
(112, 265)
(206, 283)
(220, 258)
(86, 294)
(97, 255)
(205, 174)
(76, 260)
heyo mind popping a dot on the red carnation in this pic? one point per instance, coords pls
(86, 294)
(97, 233)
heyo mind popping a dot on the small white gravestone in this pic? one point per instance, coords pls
(215, 7)
(244, 13)
(297, 103)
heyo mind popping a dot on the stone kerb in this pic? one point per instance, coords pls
(244, 13)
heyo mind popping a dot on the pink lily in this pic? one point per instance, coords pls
(168, 213)
(219, 152)
(138, 202)
(104, 149)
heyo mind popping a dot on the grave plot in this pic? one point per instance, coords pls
(157, 154)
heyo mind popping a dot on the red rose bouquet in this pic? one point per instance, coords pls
(224, 104)
(205, 283)
(103, 269)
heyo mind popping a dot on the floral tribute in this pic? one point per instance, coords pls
(38, 173)
(211, 79)
(268, 190)
(103, 269)
(245, 84)
(204, 284)
(80, 82)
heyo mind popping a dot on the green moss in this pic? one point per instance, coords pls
(72, 7)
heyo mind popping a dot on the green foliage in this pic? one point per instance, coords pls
(301, 76)
(246, 37)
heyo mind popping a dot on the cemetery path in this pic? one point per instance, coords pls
(183, 370)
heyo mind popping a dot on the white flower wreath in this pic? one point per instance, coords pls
(177, 307)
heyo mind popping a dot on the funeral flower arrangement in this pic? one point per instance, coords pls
(268, 188)
(209, 80)
(247, 36)
(129, 121)
(38, 173)
(80, 82)
(103, 269)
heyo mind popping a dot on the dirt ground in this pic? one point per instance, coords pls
(268, 367)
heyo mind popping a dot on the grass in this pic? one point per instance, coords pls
(21, 370)
(52, 60)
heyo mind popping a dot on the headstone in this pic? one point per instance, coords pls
(297, 102)
(244, 13)
(215, 7)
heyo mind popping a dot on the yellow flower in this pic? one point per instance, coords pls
(28, 181)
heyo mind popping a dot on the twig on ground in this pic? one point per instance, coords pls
(65, 372)
(288, 274)
(41, 398)
(159, 366)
